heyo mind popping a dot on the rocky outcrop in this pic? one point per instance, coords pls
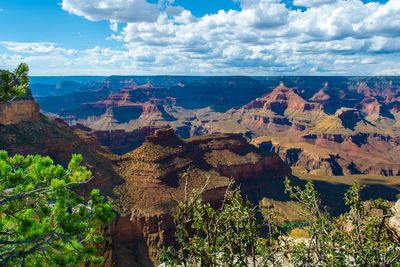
(134, 106)
(369, 105)
(279, 111)
(385, 87)
(350, 117)
(16, 111)
(321, 95)
(218, 93)
(307, 158)
(282, 98)
(153, 176)
(143, 93)
(19, 109)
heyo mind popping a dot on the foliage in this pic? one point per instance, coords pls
(361, 237)
(15, 84)
(232, 236)
(43, 222)
(288, 226)
(226, 236)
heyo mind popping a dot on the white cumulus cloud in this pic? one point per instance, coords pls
(115, 10)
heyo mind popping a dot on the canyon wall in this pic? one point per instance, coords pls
(154, 180)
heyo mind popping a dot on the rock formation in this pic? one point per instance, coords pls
(282, 98)
(337, 154)
(19, 109)
(154, 178)
(281, 110)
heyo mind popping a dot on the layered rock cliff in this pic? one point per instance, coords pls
(19, 109)
(154, 178)
(338, 154)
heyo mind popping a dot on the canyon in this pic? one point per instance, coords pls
(337, 125)
(144, 184)
(149, 145)
(166, 167)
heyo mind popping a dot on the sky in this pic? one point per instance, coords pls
(207, 37)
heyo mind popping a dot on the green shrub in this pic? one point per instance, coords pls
(43, 222)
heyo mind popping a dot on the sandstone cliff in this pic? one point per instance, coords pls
(338, 154)
(20, 109)
(153, 176)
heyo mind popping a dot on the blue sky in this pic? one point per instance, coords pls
(209, 37)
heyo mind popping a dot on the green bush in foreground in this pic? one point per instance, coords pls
(361, 237)
(43, 222)
(232, 236)
(226, 236)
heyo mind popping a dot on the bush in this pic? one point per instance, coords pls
(228, 235)
(232, 236)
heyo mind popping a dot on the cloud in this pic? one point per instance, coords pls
(265, 34)
(264, 37)
(46, 59)
(368, 61)
(343, 61)
(268, 14)
(383, 20)
(114, 26)
(185, 17)
(312, 3)
(389, 72)
(36, 48)
(10, 61)
(115, 10)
